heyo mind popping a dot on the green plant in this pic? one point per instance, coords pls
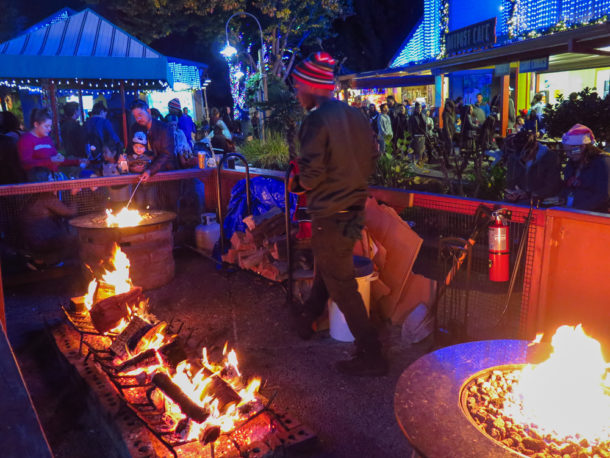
(283, 111)
(588, 109)
(269, 154)
(393, 171)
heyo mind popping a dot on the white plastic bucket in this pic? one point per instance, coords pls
(339, 330)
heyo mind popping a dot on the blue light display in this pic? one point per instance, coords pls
(462, 14)
(185, 74)
(517, 19)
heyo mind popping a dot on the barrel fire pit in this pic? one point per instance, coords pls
(148, 245)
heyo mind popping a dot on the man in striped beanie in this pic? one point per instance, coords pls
(337, 156)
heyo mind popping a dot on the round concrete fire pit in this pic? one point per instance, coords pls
(148, 245)
(427, 398)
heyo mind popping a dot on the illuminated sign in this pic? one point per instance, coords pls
(534, 65)
(476, 36)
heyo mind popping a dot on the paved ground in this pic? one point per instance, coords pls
(353, 417)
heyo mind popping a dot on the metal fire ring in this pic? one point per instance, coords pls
(427, 397)
(98, 220)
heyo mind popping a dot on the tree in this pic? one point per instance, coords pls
(588, 109)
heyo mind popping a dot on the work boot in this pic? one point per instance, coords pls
(365, 364)
(303, 325)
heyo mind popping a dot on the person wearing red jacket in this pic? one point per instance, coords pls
(36, 148)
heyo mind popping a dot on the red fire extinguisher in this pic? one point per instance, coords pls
(499, 253)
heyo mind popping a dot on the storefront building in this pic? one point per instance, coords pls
(554, 47)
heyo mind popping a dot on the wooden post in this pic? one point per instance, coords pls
(442, 101)
(82, 108)
(122, 89)
(516, 91)
(2, 314)
(505, 94)
(53, 100)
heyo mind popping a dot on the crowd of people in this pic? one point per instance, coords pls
(533, 169)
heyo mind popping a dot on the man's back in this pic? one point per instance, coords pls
(338, 155)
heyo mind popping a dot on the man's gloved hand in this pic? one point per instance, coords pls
(294, 185)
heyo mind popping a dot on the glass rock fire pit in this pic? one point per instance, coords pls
(507, 398)
(147, 240)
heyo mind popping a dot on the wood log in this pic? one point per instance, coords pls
(170, 354)
(137, 326)
(108, 313)
(188, 407)
(230, 257)
(241, 242)
(271, 227)
(253, 260)
(138, 345)
(77, 305)
(142, 361)
(221, 390)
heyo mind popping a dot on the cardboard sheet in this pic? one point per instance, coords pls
(401, 245)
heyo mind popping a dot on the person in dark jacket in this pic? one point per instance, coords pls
(100, 133)
(73, 135)
(448, 131)
(586, 176)
(46, 233)
(400, 125)
(469, 129)
(160, 139)
(418, 128)
(532, 169)
(336, 158)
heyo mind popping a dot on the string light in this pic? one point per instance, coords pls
(518, 20)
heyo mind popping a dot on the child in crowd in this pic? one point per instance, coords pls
(138, 161)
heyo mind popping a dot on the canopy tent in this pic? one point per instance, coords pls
(84, 51)
(81, 46)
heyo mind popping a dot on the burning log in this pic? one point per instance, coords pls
(188, 407)
(142, 361)
(137, 344)
(170, 354)
(108, 313)
(221, 390)
(136, 329)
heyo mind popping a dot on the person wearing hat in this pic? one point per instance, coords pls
(139, 160)
(586, 181)
(337, 156)
(160, 139)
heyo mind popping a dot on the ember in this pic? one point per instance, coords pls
(556, 408)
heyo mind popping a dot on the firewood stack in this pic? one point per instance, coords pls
(262, 247)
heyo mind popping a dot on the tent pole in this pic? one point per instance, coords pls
(122, 86)
(82, 108)
(53, 101)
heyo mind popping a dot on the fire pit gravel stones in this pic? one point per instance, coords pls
(427, 397)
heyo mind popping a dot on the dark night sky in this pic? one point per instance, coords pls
(367, 39)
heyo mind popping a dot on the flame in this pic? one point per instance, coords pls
(90, 296)
(568, 394)
(119, 327)
(195, 386)
(119, 277)
(124, 218)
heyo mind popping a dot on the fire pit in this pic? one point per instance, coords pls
(190, 404)
(148, 244)
(458, 401)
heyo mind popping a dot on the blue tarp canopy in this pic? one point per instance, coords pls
(81, 45)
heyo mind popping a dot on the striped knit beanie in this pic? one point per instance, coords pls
(174, 104)
(316, 71)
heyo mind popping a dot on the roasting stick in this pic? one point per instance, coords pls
(134, 192)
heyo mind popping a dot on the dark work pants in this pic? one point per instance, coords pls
(332, 242)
